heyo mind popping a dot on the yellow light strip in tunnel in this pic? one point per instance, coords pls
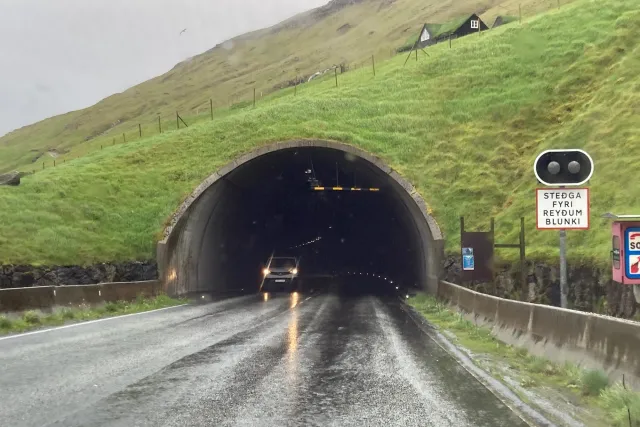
(344, 189)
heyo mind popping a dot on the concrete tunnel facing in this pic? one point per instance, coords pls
(264, 202)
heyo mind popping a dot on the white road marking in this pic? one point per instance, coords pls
(86, 323)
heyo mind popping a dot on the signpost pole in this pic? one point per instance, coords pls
(563, 266)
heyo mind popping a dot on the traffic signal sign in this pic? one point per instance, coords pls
(563, 167)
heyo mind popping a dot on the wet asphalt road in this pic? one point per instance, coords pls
(293, 360)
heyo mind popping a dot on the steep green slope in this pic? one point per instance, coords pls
(337, 33)
(463, 124)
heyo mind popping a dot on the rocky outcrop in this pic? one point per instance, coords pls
(24, 276)
(12, 178)
(590, 289)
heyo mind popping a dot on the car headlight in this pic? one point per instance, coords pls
(294, 271)
(266, 271)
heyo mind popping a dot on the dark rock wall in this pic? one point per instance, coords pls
(590, 288)
(24, 276)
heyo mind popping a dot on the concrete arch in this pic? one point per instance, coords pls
(177, 252)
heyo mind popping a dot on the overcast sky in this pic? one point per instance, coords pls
(62, 55)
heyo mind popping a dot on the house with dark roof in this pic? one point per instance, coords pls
(459, 27)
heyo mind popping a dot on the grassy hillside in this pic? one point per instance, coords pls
(229, 72)
(464, 125)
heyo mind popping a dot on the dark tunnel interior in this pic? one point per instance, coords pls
(270, 205)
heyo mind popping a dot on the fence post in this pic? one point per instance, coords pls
(42, 165)
(101, 146)
(177, 121)
(124, 138)
(254, 97)
(211, 107)
(140, 130)
(295, 87)
(416, 55)
(373, 63)
(336, 74)
(520, 13)
(159, 124)
(449, 41)
(54, 163)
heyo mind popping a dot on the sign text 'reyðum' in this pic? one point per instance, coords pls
(562, 208)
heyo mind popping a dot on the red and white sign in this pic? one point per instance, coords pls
(562, 208)
(634, 242)
(634, 264)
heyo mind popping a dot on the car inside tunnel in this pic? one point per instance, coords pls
(338, 213)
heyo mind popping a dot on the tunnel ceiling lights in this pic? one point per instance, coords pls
(345, 189)
(307, 243)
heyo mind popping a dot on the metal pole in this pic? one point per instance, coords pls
(563, 266)
(523, 261)
(492, 232)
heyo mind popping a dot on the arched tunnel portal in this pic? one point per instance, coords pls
(267, 201)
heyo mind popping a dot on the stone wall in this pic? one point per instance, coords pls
(590, 288)
(24, 276)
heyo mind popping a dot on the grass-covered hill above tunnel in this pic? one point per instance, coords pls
(463, 125)
(341, 32)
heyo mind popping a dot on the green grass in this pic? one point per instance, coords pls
(30, 320)
(463, 125)
(262, 60)
(590, 388)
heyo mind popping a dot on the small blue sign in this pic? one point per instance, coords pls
(468, 262)
(632, 252)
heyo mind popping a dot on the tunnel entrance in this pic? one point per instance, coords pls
(339, 209)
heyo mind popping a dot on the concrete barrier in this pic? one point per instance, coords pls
(128, 291)
(20, 299)
(591, 340)
(46, 297)
(78, 294)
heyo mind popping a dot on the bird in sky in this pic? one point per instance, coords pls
(183, 31)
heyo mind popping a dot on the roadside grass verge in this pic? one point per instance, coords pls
(589, 389)
(30, 320)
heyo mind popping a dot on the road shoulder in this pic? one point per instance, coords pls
(532, 386)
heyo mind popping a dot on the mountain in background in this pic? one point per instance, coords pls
(341, 32)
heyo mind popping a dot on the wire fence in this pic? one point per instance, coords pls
(207, 109)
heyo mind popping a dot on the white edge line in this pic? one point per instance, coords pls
(86, 323)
